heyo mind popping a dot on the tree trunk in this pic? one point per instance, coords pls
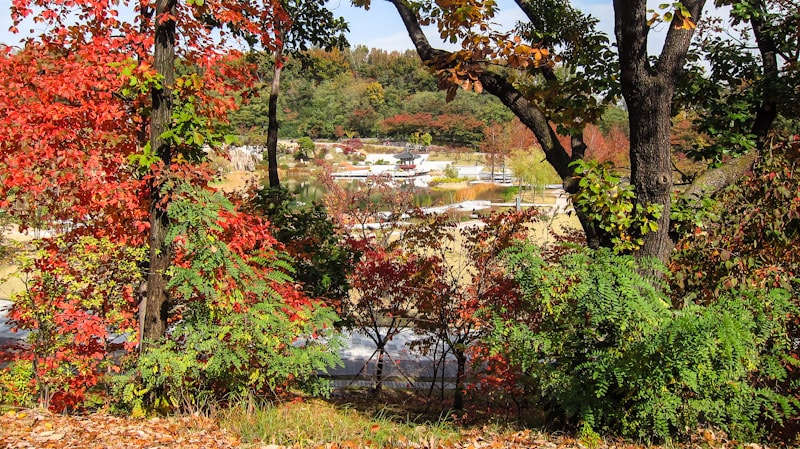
(651, 165)
(768, 108)
(461, 380)
(157, 303)
(379, 372)
(648, 91)
(272, 127)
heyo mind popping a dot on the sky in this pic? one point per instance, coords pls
(381, 26)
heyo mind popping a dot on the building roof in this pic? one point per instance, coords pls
(407, 156)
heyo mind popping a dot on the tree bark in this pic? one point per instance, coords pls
(527, 112)
(768, 108)
(461, 379)
(157, 303)
(379, 372)
(648, 91)
(272, 126)
(716, 179)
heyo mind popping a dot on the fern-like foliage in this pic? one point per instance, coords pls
(240, 325)
(601, 344)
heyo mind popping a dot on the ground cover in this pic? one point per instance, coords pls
(312, 424)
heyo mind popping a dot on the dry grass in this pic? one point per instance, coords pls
(476, 191)
(314, 422)
(236, 180)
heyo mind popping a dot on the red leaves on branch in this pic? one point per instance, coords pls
(74, 108)
(64, 139)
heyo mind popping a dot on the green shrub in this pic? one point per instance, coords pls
(603, 347)
(17, 387)
(510, 194)
(451, 172)
(242, 325)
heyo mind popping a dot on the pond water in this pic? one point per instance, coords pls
(306, 191)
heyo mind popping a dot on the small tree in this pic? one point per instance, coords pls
(305, 147)
(467, 275)
(387, 287)
(241, 325)
(531, 169)
(366, 209)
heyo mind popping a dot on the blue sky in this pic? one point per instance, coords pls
(380, 27)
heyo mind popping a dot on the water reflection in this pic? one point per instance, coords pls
(306, 192)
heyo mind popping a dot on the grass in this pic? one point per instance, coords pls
(313, 422)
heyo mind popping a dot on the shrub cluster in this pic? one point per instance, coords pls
(602, 346)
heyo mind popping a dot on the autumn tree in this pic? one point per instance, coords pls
(309, 24)
(496, 145)
(387, 285)
(113, 133)
(386, 282)
(466, 276)
(369, 208)
(152, 47)
(558, 36)
(65, 174)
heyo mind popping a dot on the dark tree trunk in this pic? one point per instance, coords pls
(768, 108)
(651, 164)
(648, 91)
(379, 372)
(461, 380)
(157, 303)
(272, 127)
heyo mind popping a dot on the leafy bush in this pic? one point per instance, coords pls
(17, 387)
(241, 326)
(605, 200)
(747, 238)
(604, 348)
(305, 148)
(750, 235)
(451, 172)
(78, 300)
(310, 238)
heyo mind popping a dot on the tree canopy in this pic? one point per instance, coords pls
(561, 77)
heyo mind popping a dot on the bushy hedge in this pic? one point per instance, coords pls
(603, 347)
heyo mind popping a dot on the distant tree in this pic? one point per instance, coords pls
(609, 146)
(310, 24)
(496, 145)
(305, 148)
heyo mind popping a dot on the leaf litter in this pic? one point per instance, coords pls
(41, 429)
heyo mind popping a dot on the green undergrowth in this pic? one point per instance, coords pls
(313, 422)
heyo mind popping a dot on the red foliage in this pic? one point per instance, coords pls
(80, 306)
(73, 108)
(465, 275)
(63, 145)
(444, 126)
(612, 146)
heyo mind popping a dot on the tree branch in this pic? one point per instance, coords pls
(676, 44)
(714, 180)
(530, 115)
